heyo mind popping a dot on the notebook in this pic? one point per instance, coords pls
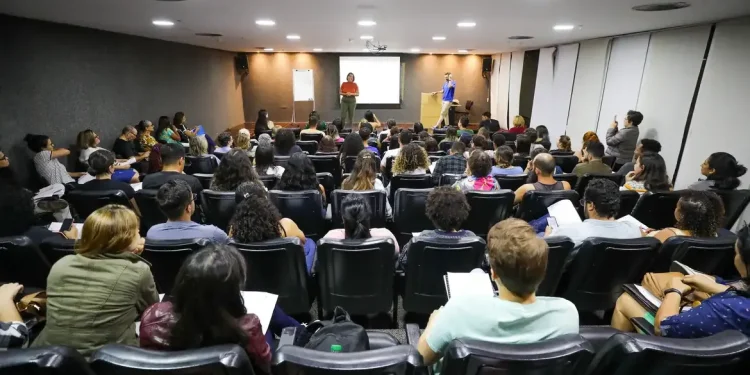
(645, 298)
(137, 186)
(683, 269)
(56, 226)
(468, 283)
(632, 220)
(564, 213)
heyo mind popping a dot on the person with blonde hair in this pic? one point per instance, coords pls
(243, 141)
(519, 126)
(199, 148)
(95, 295)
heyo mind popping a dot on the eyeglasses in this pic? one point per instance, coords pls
(582, 202)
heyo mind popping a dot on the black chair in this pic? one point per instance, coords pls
(350, 160)
(278, 266)
(512, 182)
(510, 137)
(48, 360)
(438, 137)
(446, 146)
(201, 164)
(735, 202)
(166, 258)
(434, 158)
(357, 275)
(305, 208)
(219, 155)
(317, 137)
(22, 262)
(713, 256)
(429, 259)
(328, 164)
(56, 247)
(281, 161)
(569, 177)
(218, 206)
(568, 354)
(409, 181)
(602, 265)
(151, 214)
(437, 153)
(656, 210)
(297, 132)
(449, 179)
(628, 200)
(566, 162)
(376, 199)
(597, 336)
(409, 213)
(534, 204)
(329, 184)
(269, 181)
(487, 209)
(520, 161)
(561, 152)
(204, 178)
(213, 360)
(583, 182)
(609, 160)
(559, 251)
(311, 147)
(625, 353)
(86, 202)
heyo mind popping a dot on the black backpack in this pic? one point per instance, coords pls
(340, 330)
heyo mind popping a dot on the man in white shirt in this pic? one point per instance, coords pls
(404, 138)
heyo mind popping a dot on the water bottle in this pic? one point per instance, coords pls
(335, 348)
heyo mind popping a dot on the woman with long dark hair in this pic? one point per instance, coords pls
(166, 132)
(351, 147)
(355, 213)
(722, 172)
(650, 174)
(264, 164)
(235, 168)
(262, 123)
(698, 214)
(364, 177)
(286, 143)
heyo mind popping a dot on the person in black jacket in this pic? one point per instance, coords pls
(488, 122)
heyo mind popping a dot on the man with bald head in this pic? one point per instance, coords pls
(543, 166)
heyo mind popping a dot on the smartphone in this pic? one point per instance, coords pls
(66, 224)
(552, 222)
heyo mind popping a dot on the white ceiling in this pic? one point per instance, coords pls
(401, 24)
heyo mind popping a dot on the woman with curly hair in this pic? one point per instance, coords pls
(650, 174)
(364, 177)
(286, 144)
(256, 219)
(411, 160)
(299, 175)
(698, 214)
(235, 168)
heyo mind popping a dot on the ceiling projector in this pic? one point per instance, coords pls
(375, 47)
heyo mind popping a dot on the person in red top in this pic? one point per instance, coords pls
(349, 93)
(519, 125)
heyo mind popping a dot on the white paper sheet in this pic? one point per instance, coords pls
(650, 297)
(632, 220)
(564, 212)
(137, 186)
(468, 283)
(56, 226)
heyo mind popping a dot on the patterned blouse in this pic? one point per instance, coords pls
(147, 141)
(724, 311)
(13, 335)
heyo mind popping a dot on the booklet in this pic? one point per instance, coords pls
(632, 220)
(564, 213)
(468, 283)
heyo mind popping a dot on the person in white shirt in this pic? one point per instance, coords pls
(404, 138)
(88, 142)
(225, 142)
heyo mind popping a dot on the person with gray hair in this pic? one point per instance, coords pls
(543, 166)
(263, 140)
(125, 146)
(199, 148)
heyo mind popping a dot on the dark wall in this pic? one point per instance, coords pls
(528, 83)
(269, 85)
(59, 80)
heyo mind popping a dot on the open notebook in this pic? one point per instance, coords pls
(564, 213)
(645, 298)
(468, 283)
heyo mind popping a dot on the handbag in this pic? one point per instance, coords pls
(33, 305)
(656, 283)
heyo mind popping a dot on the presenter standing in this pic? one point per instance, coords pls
(449, 88)
(349, 93)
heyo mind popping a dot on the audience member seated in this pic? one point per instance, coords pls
(454, 163)
(518, 262)
(179, 121)
(404, 138)
(312, 127)
(256, 219)
(498, 140)
(18, 218)
(286, 144)
(650, 174)
(412, 160)
(451, 135)
(489, 123)
(372, 120)
(593, 152)
(563, 145)
(392, 139)
(146, 135)
(235, 168)
(333, 132)
(542, 166)
(587, 137)
(352, 146)
(95, 296)
(263, 140)
(13, 331)
(177, 202)
(46, 160)
(601, 203)
(698, 214)
(262, 123)
(534, 152)
(126, 148)
(173, 164)
(463, 126)
(722, 172)
(523, 145)
(364, 134)
(622, 142)
(88, 142)
(423, 135)
(199, 148)
(390, 124)
(299, 175)
(207, 309)
(243, 141)
(355, 213)
(225, 142)
(725, 309)
(264, 163)
(479, 177)
(166, 132)
(102, 166)
(519, 125)
(504, 158)
(532, 136)
(431, 145)
(44, 201)
(417, 128)
(644, 145)
(328, 144)
(447, 209)
(479, 143)
(542, 137)
(364, 177)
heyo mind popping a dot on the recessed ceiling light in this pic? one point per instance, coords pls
(415, 50)
(520, 37)
(438, 38)
(366, 37)
(660, 7)
(163, 23)
(265, 22)
(463, 51)
(564, 27)
(317, 50)
(268, 49)
(366, 23)
(292, 37)
(467, 24)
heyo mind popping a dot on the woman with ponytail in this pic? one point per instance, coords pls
(355, 212)
(722, 172)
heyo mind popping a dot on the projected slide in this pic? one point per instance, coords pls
(378, 77)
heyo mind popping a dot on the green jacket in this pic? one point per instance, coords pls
(321, 126)
(96, 301)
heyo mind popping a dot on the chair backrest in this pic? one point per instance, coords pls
(356, 274)
(204, 178)
(429, 259)
(487, 209)
(602, 265)
(656, 210)
(281, 161)
(512, 182)
(317, 137)
(201, 164)
(219, 155)
(568, 354)
(55, 248)
(328, 164)
(534, 204)
(410, 181)
(376, 199)
(735, 202)
(438, 137)
(213, 360)
(218, 206)
(311, 147)
(449, 179)
(609, 160)
(269, 181)
(437, 153)
(625, 353)
(329, 184)
(409, 213)
(166, 258)
(713, 256)
(566, 162)
(583, 182)
(434, 158)
(278, 266)
(628, 200)
(305, 208)
(349, 162)
(22, 262)
(86, 202)
(445, 146)
(151, 214)
(394, 360)
(569, 177)
(559, 251)
(520, 161)
(48, 360)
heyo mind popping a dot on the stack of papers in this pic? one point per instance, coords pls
(564, 213)
(137, 186)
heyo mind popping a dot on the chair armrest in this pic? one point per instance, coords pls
(412, 334)
(287, 336)
(643, 326)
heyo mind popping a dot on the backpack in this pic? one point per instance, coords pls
(340, 330)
